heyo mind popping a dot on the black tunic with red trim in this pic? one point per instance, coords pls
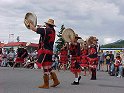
(93, 56)
(75, 57)
(84, 59)
(47, 37)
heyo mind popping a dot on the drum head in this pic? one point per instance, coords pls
(68, 35)
(81, 41)
(30, 18)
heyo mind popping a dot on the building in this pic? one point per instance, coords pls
(30, 46)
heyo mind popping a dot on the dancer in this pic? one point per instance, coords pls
(63, 57)
(45, 51)
(74, 48)
(84, 59)
(92, 56)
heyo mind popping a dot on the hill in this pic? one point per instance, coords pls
(117, 44)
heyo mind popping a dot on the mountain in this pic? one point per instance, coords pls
(117, 44)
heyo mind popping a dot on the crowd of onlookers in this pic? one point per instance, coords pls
(112, 62)
(7, 58)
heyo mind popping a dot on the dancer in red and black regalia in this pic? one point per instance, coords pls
(84, 59)
(45, 52)
(63, 57)
(92, 56)
(22, 53)
(75, 60)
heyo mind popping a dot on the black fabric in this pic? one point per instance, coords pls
(45, 58)
(47, 37)
(21, 52)
(77, 65)
(75, 49)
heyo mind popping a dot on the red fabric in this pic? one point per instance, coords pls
(44, 51)
(92, 50)
(84, 52)
(63, 60)
(118, 62)
(21, 60)
(93, 62)
(84, 65)
(63, 56)
(73, 69)
(40, 65)
(84, 61)
(47, 64)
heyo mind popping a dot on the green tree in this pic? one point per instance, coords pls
(60, 42)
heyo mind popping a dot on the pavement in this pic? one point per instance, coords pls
(21, 80)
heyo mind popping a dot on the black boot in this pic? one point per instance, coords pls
(93, 77)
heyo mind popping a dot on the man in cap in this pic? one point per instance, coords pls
(45, 51)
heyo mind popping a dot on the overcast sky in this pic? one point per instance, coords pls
(101, 18)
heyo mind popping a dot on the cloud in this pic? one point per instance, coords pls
(102, 18)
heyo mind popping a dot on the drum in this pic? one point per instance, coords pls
(30, 18)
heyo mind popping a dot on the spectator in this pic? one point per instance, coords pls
(21, 55)
(111, 62)
(55, 61)
(11, 57)
(4, 58)
(107, 59)
(118, 66)
(102, 56)
(0, 56)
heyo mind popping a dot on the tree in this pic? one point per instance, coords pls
(60, 42)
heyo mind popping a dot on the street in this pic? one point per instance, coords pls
(21, 80)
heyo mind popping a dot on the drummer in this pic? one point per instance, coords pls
(74, 48)
(45, 51)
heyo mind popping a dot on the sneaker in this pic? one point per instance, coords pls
(119, 76)
(75, 83)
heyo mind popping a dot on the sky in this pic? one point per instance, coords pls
(101, 18)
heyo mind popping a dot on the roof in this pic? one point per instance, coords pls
(12, 44)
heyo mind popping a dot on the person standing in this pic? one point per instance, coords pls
(20, 56)
(111, 63)
(11, 56)
(45, 51)
(1, 56)
(101, 59)
(107, 59)
(118, 66)
(4, 57)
